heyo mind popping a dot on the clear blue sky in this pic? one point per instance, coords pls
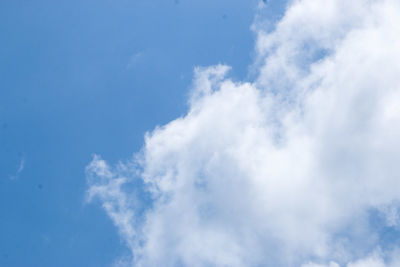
(84, 77)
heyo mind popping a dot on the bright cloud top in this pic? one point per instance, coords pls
(299, 167)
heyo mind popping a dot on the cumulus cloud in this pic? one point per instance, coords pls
(298, 167)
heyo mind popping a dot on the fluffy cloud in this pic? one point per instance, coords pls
(298, 167)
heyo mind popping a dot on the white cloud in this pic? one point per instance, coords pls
(331, 264)
(134, 59)
(287, 170)
(21, 167)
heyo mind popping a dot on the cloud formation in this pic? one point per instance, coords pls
(21, 167)
(296, 168)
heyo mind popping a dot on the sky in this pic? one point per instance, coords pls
(200, 133)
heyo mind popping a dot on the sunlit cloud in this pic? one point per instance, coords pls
(298, 167)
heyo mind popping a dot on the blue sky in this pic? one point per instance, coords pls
(272, 133)
(84, 77)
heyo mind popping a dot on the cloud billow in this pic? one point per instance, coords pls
(296, 168)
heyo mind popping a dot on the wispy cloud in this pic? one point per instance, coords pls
(133, 60)
(296, 168)
(21, 167)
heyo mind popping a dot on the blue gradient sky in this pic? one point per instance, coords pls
(84, 77)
